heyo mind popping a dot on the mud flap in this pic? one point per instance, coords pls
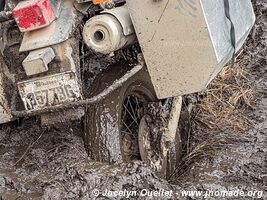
(186, 43)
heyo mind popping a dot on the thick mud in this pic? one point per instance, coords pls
(37, 163)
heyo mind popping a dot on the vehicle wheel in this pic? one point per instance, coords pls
(112, 125)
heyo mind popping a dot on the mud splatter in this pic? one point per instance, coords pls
(56, 166)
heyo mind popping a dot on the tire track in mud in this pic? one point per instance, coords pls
(57, 167)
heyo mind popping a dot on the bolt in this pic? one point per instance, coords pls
(109, 4)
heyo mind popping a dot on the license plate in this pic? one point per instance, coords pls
(49, 91)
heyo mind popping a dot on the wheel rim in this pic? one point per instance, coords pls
(132, 112)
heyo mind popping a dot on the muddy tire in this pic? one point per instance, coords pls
(109, 135)
(103, 120)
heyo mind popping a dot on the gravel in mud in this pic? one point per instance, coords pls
(52, 164)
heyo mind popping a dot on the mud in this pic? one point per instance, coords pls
(239, 160)
(239, 164)
(37, 163)
(56, 166)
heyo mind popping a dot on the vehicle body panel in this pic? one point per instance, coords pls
(186, 43)
(58, 31)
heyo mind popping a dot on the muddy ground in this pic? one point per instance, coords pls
(36, 163)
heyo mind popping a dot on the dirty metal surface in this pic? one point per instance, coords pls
(5, 111)
(5, 16)
(49, 91)
(58, 31)
(122, 15)
(117, 83)
(37, 61)
(6, 86)
(110, 32)
(243, 18)
(186, 43)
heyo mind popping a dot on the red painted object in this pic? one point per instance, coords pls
(33, 14)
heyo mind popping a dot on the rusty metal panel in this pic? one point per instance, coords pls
(179, 43)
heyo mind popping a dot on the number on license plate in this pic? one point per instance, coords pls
(49, 91)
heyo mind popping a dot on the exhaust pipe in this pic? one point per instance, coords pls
(110, 31)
